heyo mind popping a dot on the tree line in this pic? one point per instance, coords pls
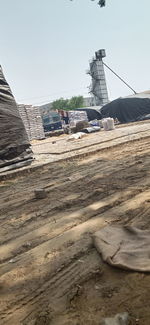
(68, 104)
(101, 3)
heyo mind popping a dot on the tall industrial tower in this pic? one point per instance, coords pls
(98, 87)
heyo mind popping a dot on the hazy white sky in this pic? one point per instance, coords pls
(46, 46)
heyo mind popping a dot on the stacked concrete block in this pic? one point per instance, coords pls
(32, 121)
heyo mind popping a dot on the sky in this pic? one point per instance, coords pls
(46, 46)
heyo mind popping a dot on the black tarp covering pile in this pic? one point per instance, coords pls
(92, 114)
(127, 109)
(14, 143)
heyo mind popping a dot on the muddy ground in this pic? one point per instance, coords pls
(50, 271)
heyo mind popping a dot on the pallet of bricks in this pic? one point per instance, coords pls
(32, 121)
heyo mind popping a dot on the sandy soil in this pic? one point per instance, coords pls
(50, 271)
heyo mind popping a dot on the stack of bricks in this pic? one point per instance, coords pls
(32, 121)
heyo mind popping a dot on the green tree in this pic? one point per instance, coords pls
(68, 104)
(101, 3)
(60, 104)
(76, 102)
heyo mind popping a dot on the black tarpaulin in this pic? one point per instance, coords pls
(127, 109)
(92, 113)
(14, 144)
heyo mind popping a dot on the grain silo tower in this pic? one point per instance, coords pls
(98, 87)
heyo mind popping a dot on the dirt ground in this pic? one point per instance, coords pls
(50, 271)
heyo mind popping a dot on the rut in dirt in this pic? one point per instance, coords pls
(46, 250)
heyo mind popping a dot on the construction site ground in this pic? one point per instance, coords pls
(50, 270)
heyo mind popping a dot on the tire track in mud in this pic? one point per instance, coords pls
(89, 226)
(63, 256)
(103, 171)
(14, 247)
(66, 279)
(52, 216)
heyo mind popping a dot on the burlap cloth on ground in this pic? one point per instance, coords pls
(124, 247)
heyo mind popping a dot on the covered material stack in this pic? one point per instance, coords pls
(77, 116)
(93, 113)
(32, 121)
(14, 144)
(127, 109)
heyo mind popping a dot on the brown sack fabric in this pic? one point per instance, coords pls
(124, 247)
